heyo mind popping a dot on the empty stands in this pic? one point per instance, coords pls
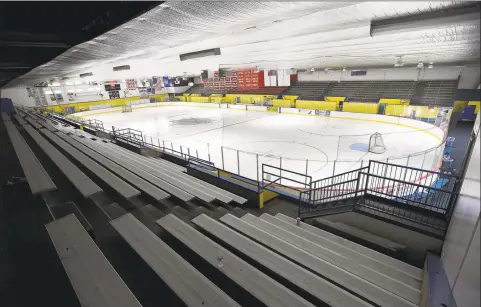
(93, 278)
(190, 285)
(204, 91)
(308, 90)
(265, 289)
(372, 91)
(439, 93)
(37, 178)
(262, 90)
(271, 260)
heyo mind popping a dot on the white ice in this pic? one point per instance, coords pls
(294, 142)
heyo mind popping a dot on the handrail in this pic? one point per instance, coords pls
(407, 183)
(341, 174)
(414, 168)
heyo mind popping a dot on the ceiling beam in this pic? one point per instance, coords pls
(34, 44)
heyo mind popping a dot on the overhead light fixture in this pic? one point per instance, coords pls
(420, 65)
(58, 92)
(431, 65)
(78, 83)
(199, 54)
(79, 90)
(399, 62)
(312, 69)
(48, 92)
(68, 83)
(344, 69)
(70, 91)
(55, 84)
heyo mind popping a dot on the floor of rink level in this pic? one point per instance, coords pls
(287, 140)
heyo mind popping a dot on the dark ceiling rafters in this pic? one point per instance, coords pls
(32, 33)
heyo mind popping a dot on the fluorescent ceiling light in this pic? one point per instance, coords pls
(78, 82)
(420, 65)
(79, 90)
(55, 84)
(69, 83)
(58, 92)
(48, 92)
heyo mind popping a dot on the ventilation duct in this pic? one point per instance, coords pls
(123, 67)
(425, 21)
(199, 54)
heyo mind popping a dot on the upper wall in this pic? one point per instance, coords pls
(469, 76)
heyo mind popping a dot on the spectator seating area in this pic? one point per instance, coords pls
(371, 91)
(199, 89)
(181, 240)
(263, 90)
(439, 93)
(309, 90)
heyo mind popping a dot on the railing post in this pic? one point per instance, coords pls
(222, 156)
(208, 151)
(238, 162)
(181, 153)
(188, 151)
(197, 153)
(257, 166)
(424, 158)
(280, 170)
(307, 166)
(163, 145)
(172, 147)
(158, 142)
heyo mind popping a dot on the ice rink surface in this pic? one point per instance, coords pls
(320, 144)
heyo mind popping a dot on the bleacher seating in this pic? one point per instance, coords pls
(262, 90)
(439, 93)
(204, 91)
(308, 90)
(199, 241)
(372, 91)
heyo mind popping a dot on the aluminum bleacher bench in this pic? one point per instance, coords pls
(399, 265)
(93, 278)
(163, 181)
(117, 184)
(33, 122)
(38, 179)
(167, 187)
(150, 165)
(20, 120)
(308, 281)
(389, 283)
(170, 178)
(264, 288)
(414, 281)
(359, 233)
(349, 281)
(5, 117)
(48, 126)
(81, 182)
(170, 167)
(135, 180)
(193, 288)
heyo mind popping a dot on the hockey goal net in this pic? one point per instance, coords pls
(376, 144)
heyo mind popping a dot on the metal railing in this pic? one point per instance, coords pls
(419, 197)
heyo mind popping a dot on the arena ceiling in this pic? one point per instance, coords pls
(275, 35)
